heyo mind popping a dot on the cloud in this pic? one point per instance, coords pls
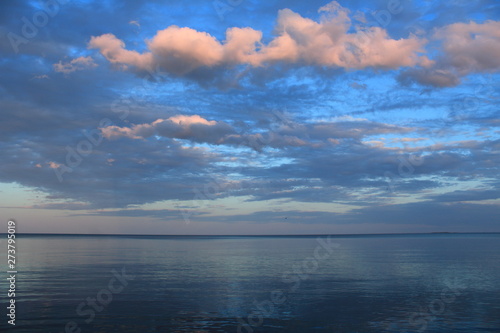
(298, 40)
(194, 128)
(63, 206)
(41, 77)
(198, 129)
(171, 140)
(164, 214)
(467, 195)
(471, 47)
(113, 50)
(356, 85)
(181, 50)
(429, 77)
(466, 48)
(74, 65)
(136, 23)
(453, 217)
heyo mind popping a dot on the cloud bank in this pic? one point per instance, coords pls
(298, 40)
(314, 125)
(466, 48)
(336, 41)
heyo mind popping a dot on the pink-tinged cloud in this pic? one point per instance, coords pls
(197, 129)
(466, 48)
(298, 40)
(114, 51)
(190, 120)
(74, 65)
(194, 128)
(180, 50)
(52, 165)
(472, 47)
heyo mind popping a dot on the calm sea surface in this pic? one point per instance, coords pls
(391, 283)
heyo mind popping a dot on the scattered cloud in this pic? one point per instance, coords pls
(136, 23)
(304, 118)
(41, 77)
(299, 40)
(466, 48)
(74, 65)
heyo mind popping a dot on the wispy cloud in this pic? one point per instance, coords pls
(74, 65)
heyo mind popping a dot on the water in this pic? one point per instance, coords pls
(404, 283)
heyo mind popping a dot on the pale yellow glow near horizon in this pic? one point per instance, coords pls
(239, 206)
(16, 195)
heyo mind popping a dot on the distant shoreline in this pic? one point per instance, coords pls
(436, 233)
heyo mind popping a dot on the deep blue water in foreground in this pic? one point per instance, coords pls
(382, 283)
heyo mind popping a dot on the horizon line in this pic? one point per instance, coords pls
(254, 235)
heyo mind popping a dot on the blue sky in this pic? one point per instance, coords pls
(250, 117)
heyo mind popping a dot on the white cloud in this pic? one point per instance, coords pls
(136, 23)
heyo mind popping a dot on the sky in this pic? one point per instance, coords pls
(250, 117)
